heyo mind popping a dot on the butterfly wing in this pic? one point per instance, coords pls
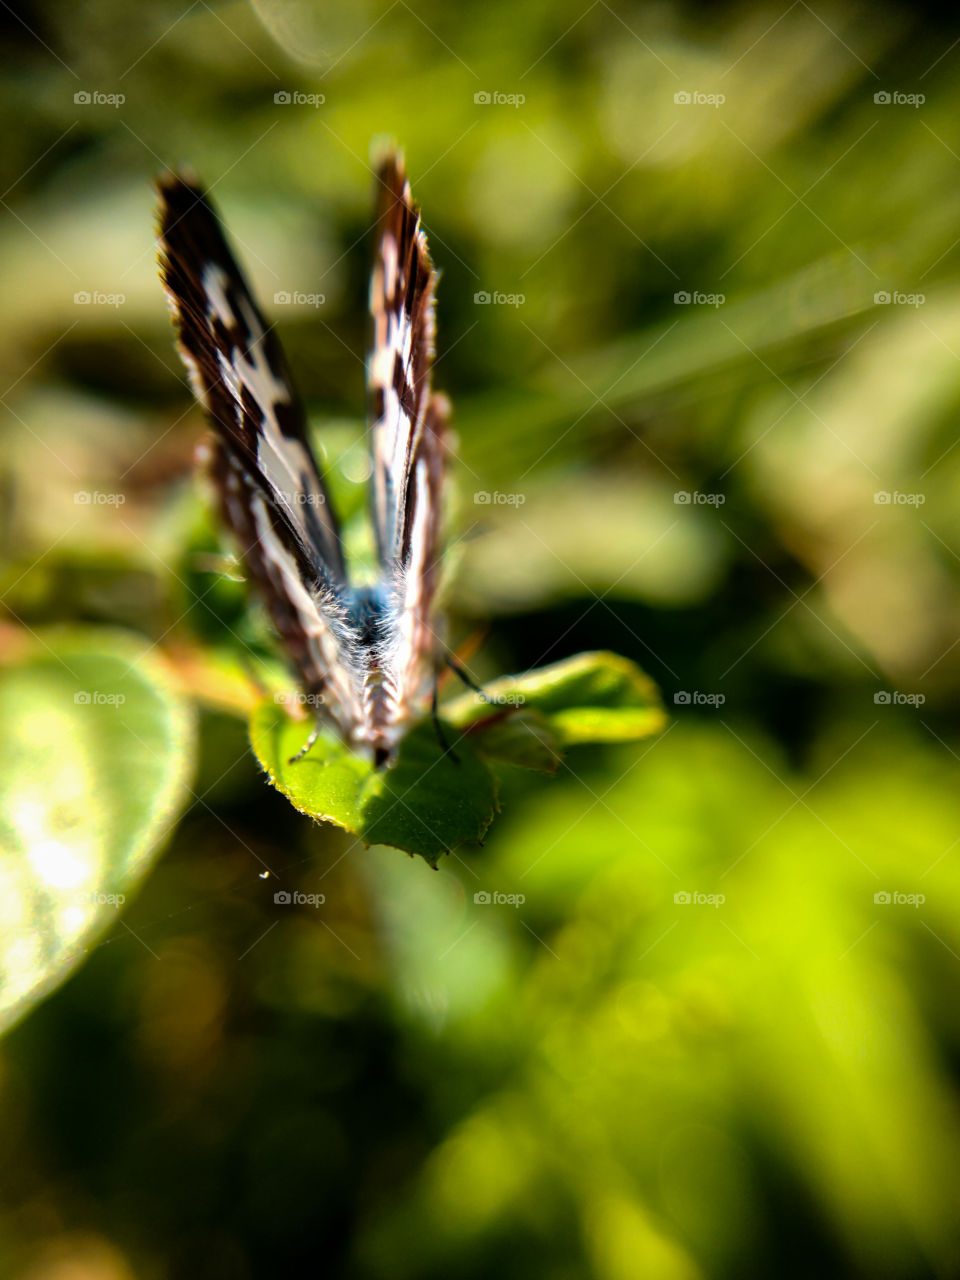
(238, 370)
(416, 637)
(409, 426)
(271, 494)
(402, 305)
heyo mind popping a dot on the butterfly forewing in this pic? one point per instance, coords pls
(238, 370)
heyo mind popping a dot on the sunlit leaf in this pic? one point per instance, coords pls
(594, 697)
(428, 802)
(431, 800)
(94, 762)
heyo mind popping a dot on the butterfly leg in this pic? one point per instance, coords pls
(438, 728)
(464, 675)
(314, 735)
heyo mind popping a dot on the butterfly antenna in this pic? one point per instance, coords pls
(438, 728)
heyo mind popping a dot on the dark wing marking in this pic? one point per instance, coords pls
(238, 371)
(402, 305)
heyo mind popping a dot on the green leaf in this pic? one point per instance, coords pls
(520, 737)
(95, 759)
(430, 801)
(592, 698)
(426, 803)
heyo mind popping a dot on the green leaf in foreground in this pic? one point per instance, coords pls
(94, 763)
(428, 802)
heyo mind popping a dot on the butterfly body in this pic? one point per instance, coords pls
(365, 654)
(367, 608)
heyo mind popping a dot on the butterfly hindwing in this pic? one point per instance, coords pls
(309, 618)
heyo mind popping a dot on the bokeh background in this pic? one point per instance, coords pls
(713, 399)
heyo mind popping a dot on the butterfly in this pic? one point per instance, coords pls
(365, 653)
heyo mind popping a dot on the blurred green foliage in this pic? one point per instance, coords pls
(718, 1036)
